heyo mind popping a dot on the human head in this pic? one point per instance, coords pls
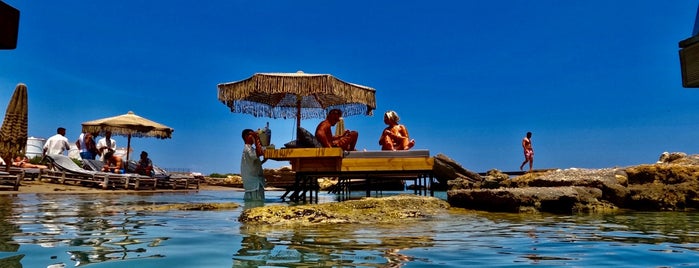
(334, 116)
(246, 132)
(108, 134)
(144, 154)
(392, 116)
(529, 134)
(61, 131)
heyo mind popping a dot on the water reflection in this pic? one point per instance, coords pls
(98, 230)
(79, 230)
(329, 245)
(8, 246)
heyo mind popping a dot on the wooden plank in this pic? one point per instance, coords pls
(315, 164)
(387, 164)
(288, 154)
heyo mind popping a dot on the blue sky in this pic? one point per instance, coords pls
(597, 82)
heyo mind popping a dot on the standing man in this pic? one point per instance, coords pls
(58, 143)
(106, 147)
(251, 167)
(528, 151)
(347, 141)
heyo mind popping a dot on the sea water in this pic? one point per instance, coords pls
(104, 230)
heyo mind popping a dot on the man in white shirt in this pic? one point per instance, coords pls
(107, 146)
(58, 143)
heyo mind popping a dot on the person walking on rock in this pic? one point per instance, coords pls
(528, 152)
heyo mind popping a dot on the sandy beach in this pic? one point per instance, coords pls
(40, 187)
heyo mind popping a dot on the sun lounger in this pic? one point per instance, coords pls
(10, 181)
(169, 180)
(136, 181)
(27, 173)
(65, 170)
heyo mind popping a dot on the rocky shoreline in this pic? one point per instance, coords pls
(671, 184)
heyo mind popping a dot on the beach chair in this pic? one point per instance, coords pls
(168, 180)
(136, 181)
(65, 170)
(10, 181)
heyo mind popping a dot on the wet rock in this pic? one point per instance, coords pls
(367, 210)
(532, 199)
(670, 184)
(446, 169)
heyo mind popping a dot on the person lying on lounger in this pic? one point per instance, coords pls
(394, 136)
(24, 163)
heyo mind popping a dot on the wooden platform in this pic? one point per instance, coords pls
(370, 166)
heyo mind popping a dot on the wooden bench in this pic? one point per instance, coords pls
(10, 181)
(371, 166)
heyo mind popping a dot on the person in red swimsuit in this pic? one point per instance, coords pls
(528, 151)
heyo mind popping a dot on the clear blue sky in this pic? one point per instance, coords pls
(597, 82)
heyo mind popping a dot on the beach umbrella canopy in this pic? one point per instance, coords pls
(296, 95)
(128, 125)
(13, 133)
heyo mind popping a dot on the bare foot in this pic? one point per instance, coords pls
(411, 144)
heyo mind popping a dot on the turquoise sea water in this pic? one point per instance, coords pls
(103, 231)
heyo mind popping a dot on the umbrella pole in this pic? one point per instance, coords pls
(298, 112)
(128, 147)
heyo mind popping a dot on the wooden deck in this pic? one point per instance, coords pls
(309, 164)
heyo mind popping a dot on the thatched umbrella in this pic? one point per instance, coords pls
(13, 133)
(128, 125)
(296, 95)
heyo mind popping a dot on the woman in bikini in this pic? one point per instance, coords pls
(394, 136)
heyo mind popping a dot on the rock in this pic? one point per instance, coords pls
(666, 157)
(366, 210)
(670, 184)
(532, 199)
(446, 169)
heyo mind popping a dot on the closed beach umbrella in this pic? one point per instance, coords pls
(128, 125)
(13, 133)
(296, 95)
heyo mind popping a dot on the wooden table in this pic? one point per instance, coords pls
(309, 164)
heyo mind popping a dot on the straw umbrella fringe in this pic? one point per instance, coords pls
(128, 125)
(13, 133)
(277, 95)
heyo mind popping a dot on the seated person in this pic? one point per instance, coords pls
(324, 134)
(145, 165)
(112, 162)
(394, 136)
(106, 147)
(24, 163)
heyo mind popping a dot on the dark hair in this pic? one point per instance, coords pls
(60, 129)
(144, 152)
(246, 131)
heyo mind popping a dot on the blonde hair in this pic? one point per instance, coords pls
(393, 116)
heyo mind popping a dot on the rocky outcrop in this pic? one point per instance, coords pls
(670, 184)
(447, 172)
(366, 210)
